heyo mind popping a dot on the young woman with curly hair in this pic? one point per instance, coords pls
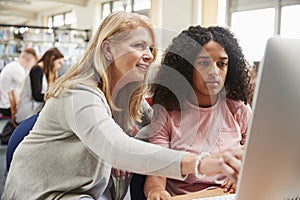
(201, 96)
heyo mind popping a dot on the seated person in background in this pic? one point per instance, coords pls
(35, 85)
(201, 96)
(12, 75)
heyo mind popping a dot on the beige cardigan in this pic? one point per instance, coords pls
(74, 143)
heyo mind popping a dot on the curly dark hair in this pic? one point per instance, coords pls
(180, 56)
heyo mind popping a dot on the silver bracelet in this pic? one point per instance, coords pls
(198, 174)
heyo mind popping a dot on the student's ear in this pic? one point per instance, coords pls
(106, 49)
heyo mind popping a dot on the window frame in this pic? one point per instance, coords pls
(248, 5)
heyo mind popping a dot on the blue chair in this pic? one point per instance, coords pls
(17, 136)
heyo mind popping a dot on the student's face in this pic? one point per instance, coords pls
(210, 70)
(58, 63)
(30, 61)
(133, 56)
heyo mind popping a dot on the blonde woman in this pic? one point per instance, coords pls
(75, 141)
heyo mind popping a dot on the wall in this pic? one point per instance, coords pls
(86, 16)
(176, 14)
(172, 16)
(209, 12)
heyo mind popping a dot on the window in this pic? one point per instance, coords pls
(254, 21)
(105, 9)
(118, 6)
(288, 26)
(58, 20)
(141, 5)
(253, 34)
(70, 18)
(138, 6)
(63, 19)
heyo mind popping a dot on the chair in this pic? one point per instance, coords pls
(17, 136)
(13, 96)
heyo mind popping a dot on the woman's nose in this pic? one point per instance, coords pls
(148, 55)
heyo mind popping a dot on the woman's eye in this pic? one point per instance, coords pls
(139, 46)
(203, 63)
(151, 49)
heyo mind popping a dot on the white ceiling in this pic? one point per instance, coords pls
(20, 11)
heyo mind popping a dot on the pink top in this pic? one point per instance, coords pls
(196, 130)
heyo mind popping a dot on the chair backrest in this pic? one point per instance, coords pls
(17, 136)
(13, 96)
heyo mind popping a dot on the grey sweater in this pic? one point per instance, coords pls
(74, 143)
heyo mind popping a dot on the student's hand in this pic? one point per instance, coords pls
(158, 194)
(228, 186)
(120, 174)
(227, 162)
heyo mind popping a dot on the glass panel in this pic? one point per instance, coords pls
(128, 6)
(70, 18)
(141, 5)
(253, 29)
(105, 9)
(289, 25)
(58, 20)
(118, 6)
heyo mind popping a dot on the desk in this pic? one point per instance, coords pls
(203, 193)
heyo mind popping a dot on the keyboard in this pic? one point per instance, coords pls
(223, 197)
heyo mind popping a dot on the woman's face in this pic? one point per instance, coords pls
(209, 74)
(132, 55)
(58, 63)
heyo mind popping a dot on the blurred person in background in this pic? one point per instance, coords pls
(12, 76)
(37, 82)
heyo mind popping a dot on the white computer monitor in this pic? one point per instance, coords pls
(271, 163)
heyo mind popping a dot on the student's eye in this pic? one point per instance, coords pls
(222, 64)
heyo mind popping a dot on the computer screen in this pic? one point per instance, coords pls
(271, 163)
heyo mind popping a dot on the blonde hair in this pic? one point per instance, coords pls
(92, 68)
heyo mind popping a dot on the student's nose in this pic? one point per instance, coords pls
(213, 69)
